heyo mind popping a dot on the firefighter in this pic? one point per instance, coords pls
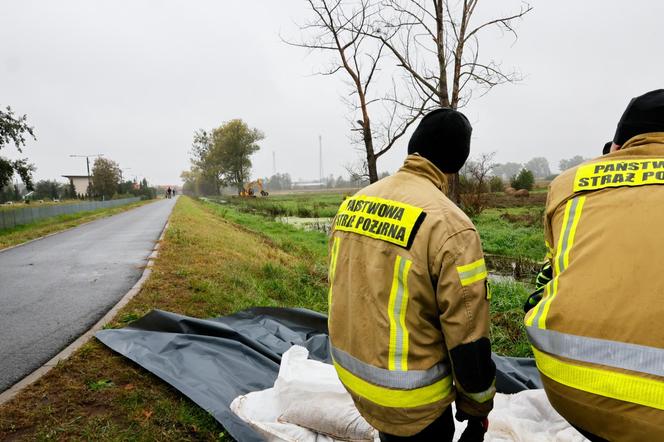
(408, 298)
(596, 333)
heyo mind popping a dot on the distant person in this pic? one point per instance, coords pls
(596, 332)
(168, 192)
(408, 297)
(173, 190)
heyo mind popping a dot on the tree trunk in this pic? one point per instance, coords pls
(443, 96)
(371, 157)
(453, 190)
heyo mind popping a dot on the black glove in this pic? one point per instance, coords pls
(476, 428)
(533, 299)
(544, 276)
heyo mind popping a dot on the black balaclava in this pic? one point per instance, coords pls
(443, 137)
(644, 114)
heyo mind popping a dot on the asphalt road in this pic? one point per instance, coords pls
(54, 289)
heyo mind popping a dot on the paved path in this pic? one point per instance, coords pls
(55, 289)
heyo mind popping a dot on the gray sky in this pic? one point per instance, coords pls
(134, 79)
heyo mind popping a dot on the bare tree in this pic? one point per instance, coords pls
(342, 27)
(477, 173)
(358, 172)
(437, 43)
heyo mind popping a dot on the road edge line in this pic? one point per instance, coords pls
(33, 377)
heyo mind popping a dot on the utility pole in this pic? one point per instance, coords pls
(274, 163)
(320, 159)
(87, 161)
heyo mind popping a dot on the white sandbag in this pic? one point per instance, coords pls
(528, 416)
(302, 385)
(313, 397)
(345, 423)
(305, 384)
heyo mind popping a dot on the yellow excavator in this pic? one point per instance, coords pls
(248, 190)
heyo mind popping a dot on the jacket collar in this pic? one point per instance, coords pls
(418, 165)
(643, 139)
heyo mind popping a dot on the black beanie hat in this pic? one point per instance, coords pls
(443, 137)
(644, 114)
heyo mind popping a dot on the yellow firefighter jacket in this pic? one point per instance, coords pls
(407, 285)
(597, 333)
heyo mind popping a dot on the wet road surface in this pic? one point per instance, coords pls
(54, 289)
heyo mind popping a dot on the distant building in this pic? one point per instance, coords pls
(80, 183)
(308, 185)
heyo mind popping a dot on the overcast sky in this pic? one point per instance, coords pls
(134, 79)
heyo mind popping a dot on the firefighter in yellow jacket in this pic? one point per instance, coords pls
(409, 309)
(597, 332)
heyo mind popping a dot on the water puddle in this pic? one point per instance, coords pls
(309, 224)
(509, 269)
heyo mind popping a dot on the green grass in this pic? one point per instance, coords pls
(287, 237)
(508, 333)
(515, 232)
(26, 232)
(319, 205)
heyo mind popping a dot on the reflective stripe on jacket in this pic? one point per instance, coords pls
(596, 333)
(407, 285)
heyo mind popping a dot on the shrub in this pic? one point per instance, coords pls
(496, 184)
(524, 180)
(465, 185)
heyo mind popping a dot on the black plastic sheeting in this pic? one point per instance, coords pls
(212, 361)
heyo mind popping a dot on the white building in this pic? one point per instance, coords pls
(80, 183)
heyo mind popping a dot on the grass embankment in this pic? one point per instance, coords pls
(26, 232)
(214, 260)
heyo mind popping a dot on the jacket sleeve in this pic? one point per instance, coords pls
(463, 298)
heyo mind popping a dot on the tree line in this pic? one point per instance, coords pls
(539, 166)
(221, 163)
(221, 158)
(105, 182)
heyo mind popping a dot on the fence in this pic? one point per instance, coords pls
(15, 217)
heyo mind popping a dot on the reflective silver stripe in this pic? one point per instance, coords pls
(474, 272)
(614, 354)
(398, 380)
(483, 396)
(398, 306)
